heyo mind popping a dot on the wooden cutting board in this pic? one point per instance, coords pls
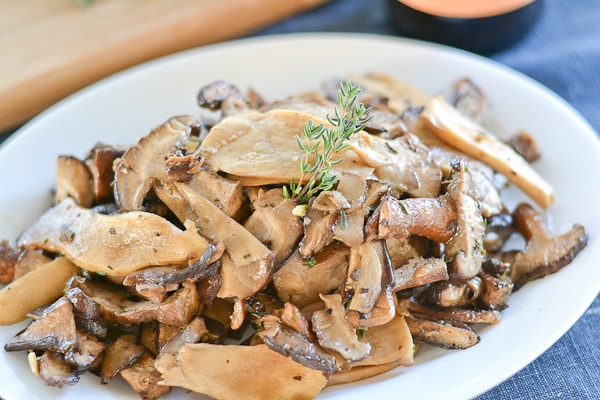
(51, 48)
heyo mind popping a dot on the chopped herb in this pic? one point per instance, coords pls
(322, 143)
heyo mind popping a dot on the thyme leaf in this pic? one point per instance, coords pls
(322, 143)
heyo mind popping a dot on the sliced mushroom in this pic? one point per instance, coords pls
(458, 130)
(464, 251)
(242, 372)
(191, 333)
(247, 264)
(144, 378)
(301, 284)
(321, 217)
(390, 343)
(220, 95)
(454, 294)
(495, 293)
(144, 162)
(447, 335)
(498, 229)
(366, 267)
(525, 145)
(122, 243)
(54, 371)
(418, 272)
(30, 260)
(274, 223)
(36, 289)
(120, 354)
(464, 315)
(100, 162)
(468, 98)
(433, 218)
(225, 193)
(8, 260)
(293, 344)
(86, 354)
(334, 331)
(53, 330)
(73, 179)
(544, 254)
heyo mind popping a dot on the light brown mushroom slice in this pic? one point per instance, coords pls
(400, 94)
(301, 284)
(464, 251)
(242, 372)
(247, 264)
(261, 148)
(334, 331)
(363, 277)
(121, 243)
(404, 163)
(73, 179)
(143, 378)
(35, 289)
(30, 259)
(390, 343)
(274, 223)
(461, 132)
(145, 161)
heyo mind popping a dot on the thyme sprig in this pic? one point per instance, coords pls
(322, 143)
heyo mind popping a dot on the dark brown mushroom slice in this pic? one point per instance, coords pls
(86, 354)
(319, 222)
(419, 271)
(544, 254)
(496, 291)
(100, 161)
(55, 371)
(53, 330)
(143, 163)
(180, 166)
(334, 331)
(144, 378)
(8, 260)
(447, 335)
(247, 265)
(292, 343)
(274, 223)
(301, 284)
(193, 332)
(464, 315)
(468, 98)
(195, 272)
(121, 353)
(73, 179)
(464, 252)
(525, 145)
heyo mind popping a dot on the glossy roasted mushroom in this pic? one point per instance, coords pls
(447, 335)
(122, 243)
(334, 331)
(144, 162)
(544, 254)
(242, 372)
(73, 179)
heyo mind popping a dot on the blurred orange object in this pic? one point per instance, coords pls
(466, 8)
(52, 48)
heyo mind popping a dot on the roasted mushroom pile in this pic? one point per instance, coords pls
(180, 262)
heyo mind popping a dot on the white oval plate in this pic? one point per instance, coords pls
(123, 107)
